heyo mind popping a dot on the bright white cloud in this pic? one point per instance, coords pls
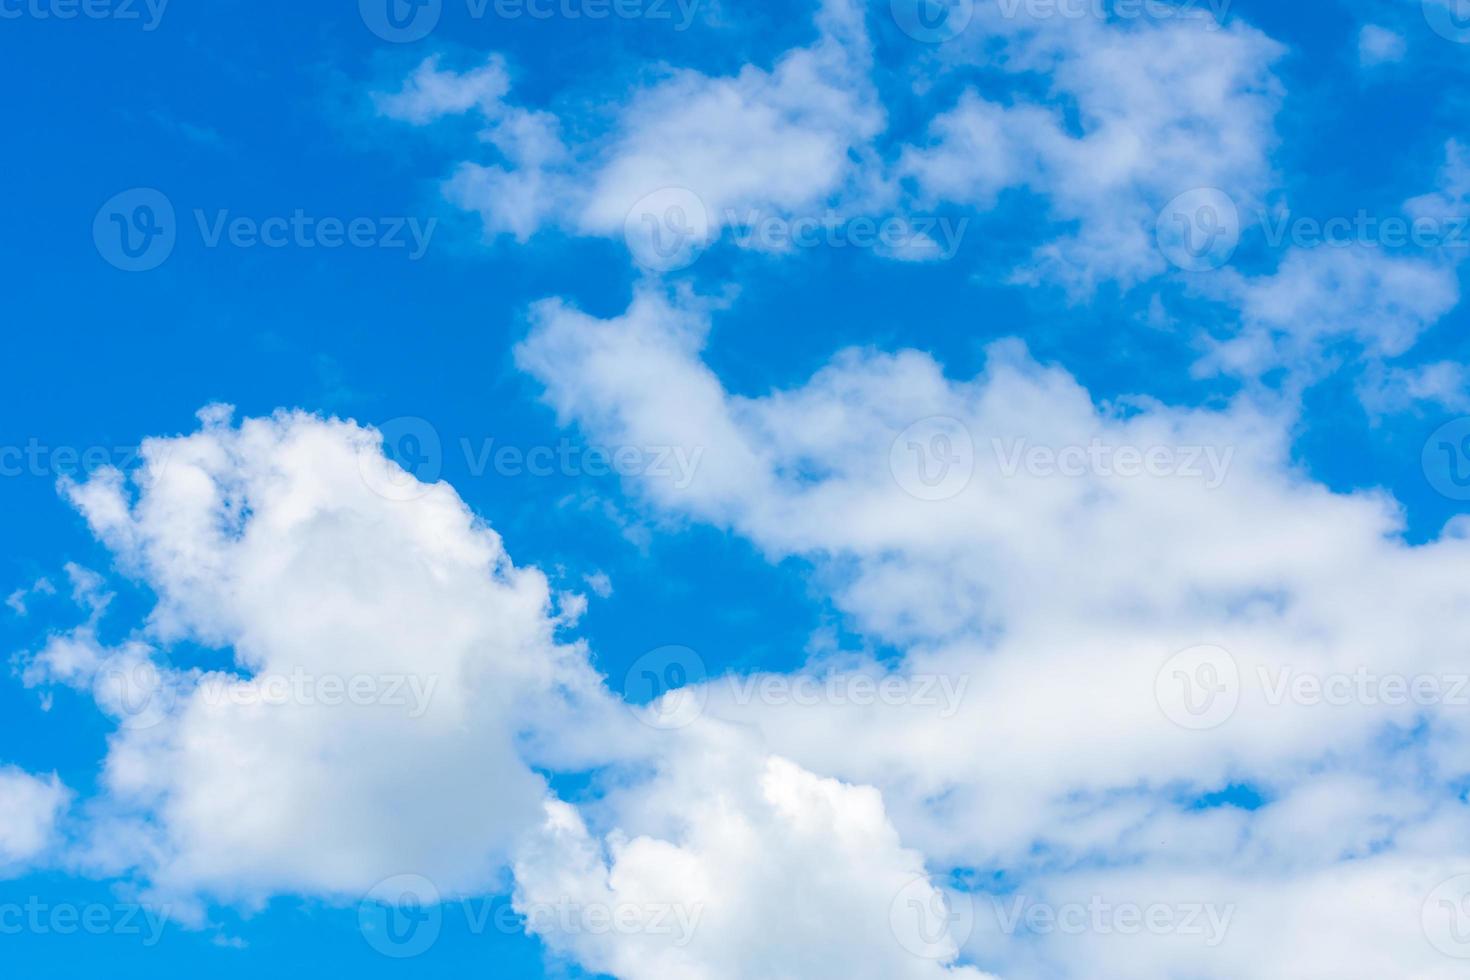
(30, 808)
(1058, 554)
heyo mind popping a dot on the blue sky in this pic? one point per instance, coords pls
(229, 111)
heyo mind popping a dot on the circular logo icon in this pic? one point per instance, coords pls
(929, 921)
(135, 231)
(1446, 917)
(933, 459)
(1199, 688)
(130, 687)
(401, 21)
(410, 463)
(1199, 230)
(1446, 459)
(665, 687)
(933, 21)
(1449, 19)
(666, 230)
(401, 916)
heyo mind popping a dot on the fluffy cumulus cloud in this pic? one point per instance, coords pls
(386, 680)
(30, 810)
(733, 863)
(777, 141)
(381, 657)
(1149, 605)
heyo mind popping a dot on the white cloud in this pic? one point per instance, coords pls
(294, 545)
(732, 864)
(1380, 46)
(30, 807)
(1061, 592)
